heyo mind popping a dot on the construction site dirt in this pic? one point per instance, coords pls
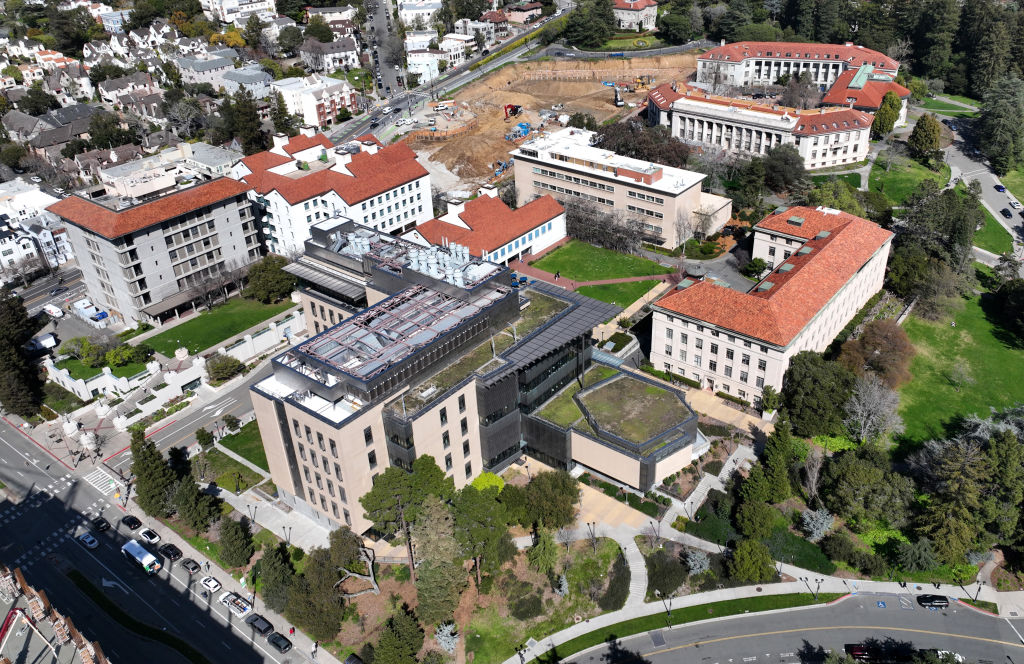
(579, 86)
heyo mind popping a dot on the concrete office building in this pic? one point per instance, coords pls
(825, 265)
(429, 350)
(139, 258)
(566, 164)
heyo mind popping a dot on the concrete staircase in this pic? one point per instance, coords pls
(637, 572)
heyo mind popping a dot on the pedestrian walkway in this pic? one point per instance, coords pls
(102, 481)
(637, 571)
(291, 526)
(742, 457)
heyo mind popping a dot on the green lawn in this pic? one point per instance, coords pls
(212, 327)
(622, 295)
(633, 409)
(246, 443)
(562, 410)
(223, 469)
(929, 402)
(852, 179)
(60, 400)
(964, 100)
(629, 44)
(993, 237)
(939, 105)
(78, 370)
(1014, 181)
(584, 262)
(903, 178)
(958, 114)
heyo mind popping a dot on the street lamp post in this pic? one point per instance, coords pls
(252, 512)
(238, 479)
(665, 601)
(287, 535)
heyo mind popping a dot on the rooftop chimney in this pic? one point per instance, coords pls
(308, 131)
(280, 140)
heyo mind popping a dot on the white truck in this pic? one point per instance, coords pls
(53, 310)
(236, 604)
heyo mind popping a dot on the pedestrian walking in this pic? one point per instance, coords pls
(291, 631)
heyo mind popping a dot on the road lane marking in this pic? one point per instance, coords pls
(1014, 629)
(837, 627)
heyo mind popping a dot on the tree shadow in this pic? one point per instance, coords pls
(616, 654)
(889, 649)
(811, 654)
(992, 307)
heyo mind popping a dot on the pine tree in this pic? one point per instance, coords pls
(1006, 484)
(441, 579)
(236, 547)
(887, 115)
(195, 508)
(434, 532)
(246, 123)
(401, 640)
(481, 523)
(154, 479)
(283, 121)
(751, 562)
(924, 140)
(21, 387)
(943, 19)
(253, 31)
(778, 458)
(278, 575)
(543, 555)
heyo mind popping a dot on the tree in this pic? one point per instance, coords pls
(1001, 125)
(784, 168)
(481, 526)
(37, 102)
(440, 580)
(401, 639)
(769, 398)
(858, 486)
(394, 502)
(289, 39)
(590, 24)
(195, 508)
(154, 479)
(1010, 299)
(697, 561)
(284, 122)
(543, 555)
(838, 195)
(185, 117)
(551, 499)
(886, 115)
(204, 437)
(953, 517)
(314, 602)
(582, 120)
(778, 459)
(883, 349)
(751, 562)
(277, 574)
(252, 34)
(638, 140)
(917, 556)
(674, 28)
(236, 547)
(12, 154)
(872, 411)
(960, 374)
(816, 523)
(755, 520)
(73, 147)
(814, 392)
(268, 282)
(13, 72)
(105, 131)
(812, 472)
(245, 122)
(319, 30)
(222, 367)
(924, 139)
(736, 17)
(755, 268)
(447, 636)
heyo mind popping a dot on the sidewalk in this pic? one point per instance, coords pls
(292, 527)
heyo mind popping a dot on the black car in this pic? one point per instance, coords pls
(170, 552)
(190, 566)
(259, 624)
(100, 524)
(131, 522)
(280, 642)
(58, 290)
(929, 601)
(1006, 213)
(374, 123)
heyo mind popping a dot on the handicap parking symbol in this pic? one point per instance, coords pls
(933, 608)
(881, 605)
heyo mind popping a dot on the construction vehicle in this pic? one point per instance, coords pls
(643, 82)
(521, 130)
(512, 110)
(618, 97)
(557, 107)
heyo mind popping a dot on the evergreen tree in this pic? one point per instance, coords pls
(441, 579)
(1001, 125)
(268, 282)
(992, 58)
(319, 30)
(778, 459)
(1005, 490)
(751, 562)
(325, 608)
(154, 479)
(815, 392)
(236, 546)
(434, 532)
(481, 526)
(246, 123)
(799, 16)
(195, 508)
(887, 115)
(953, 517)
(21, 387)
(253, 31)
(401, 640)
(936, 45)
(735, 18)
(277, 574)
(543, 555)
(755, 520)
(924, 140)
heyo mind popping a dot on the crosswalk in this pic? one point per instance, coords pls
(102, 481)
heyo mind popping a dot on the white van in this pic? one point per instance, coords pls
(53, 310)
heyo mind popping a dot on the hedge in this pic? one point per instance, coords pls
(133, 625)
(833, 349)
(734, 399)
(667, 376)
(614, 598)
(716, 429)
(637, 503)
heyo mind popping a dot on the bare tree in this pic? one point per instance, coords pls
(705, 219)
(1008, 267)
(960, 375)
(652, 535)
(368, 556)
(25, 268)
(184, 117)
(873, 409)
(564, 536)
(233, 276)
(683, 226)
(900, 50)
(812, 472)
(592, 537)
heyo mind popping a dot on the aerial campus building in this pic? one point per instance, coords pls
(431, 350)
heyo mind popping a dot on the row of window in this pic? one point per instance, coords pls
(646, 197)
(575, 180)
(511, 247)
(725, 387)
(699, 343)
(562, 190)
(729, 355)
(387, 196)
(334, 507)
(649, 213)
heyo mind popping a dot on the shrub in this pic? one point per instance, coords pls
(527, 608)
(868, 563)
(713, 467)
(716, 429)
(734, 399)
(816, 523)
(637, 503)
(486, 584)
(838, 547)
(665, 572)
(614, 598)
(795, 550)
(231, 422)
(834, 443)
(697, 562)
(223, 367)
(296, 553)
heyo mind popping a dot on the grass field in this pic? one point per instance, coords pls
(246, 442)
(929, 402)
(629, 44)
(212, 327)
(59, 399)
(223, 469)
(852, 179)
(939, 105)
(584, 262)
(993, 237)
(623, 294)
(903, 178)
(1014, 181)
(964, 100)
(957, 114)
(78, 370)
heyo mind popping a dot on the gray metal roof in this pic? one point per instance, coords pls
(335, 284)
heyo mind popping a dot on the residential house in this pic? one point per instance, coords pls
(204, 70)
(426, 63)
(328, 14)
(275, 25)
(418, 13)
(419, 39)
(523, 13)
(24, 48)
(315, 98)
(635, 14)
(146, 106)
(90, 163)
(253, 78)
(465, 26)
(69, 84)
(328, 57)
(499, 20)
(139, 81)
(22, 127)
(113, 22)
(457, 48)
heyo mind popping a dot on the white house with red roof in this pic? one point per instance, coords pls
(825, 265)
(306, 179)
(492, 230)
(634, 14)
(864, 88)
(824, 137)
(315, 98)
(762, 63)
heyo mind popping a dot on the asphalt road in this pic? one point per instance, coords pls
(37, 294)
(806, 635)
(39, 537)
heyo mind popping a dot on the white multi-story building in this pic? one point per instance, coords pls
(306, 179)
(416, 40)
(329, 56)
(465, 26)
(425, 63)
(634, 14)
(457, 47)
(762, 63)
(667, 201)
(317, 100)
(204, 70)
(23, 214)
(328, 14)
(226, 11)
(423, 10)
(824, 137)
(253, 78)
(826, 265)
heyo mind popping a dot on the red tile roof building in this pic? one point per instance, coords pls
(825, 265)
(633, 14)
(306, 179)
(140, 260)
(863, 89)
(824, 137)
(495, 232)
(762, 63)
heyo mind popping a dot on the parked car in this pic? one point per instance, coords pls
(1015, 204)
(64, 289)
(236, 604)
(259, 624)
(36, 178)
(100, 524)
(131, 522)
(929, 601)
(190, 566)
(88, 541)
(1006, 213)
(280, 642)
(210, 583)
(149, 536)
(1000, 187)
(170, 552)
